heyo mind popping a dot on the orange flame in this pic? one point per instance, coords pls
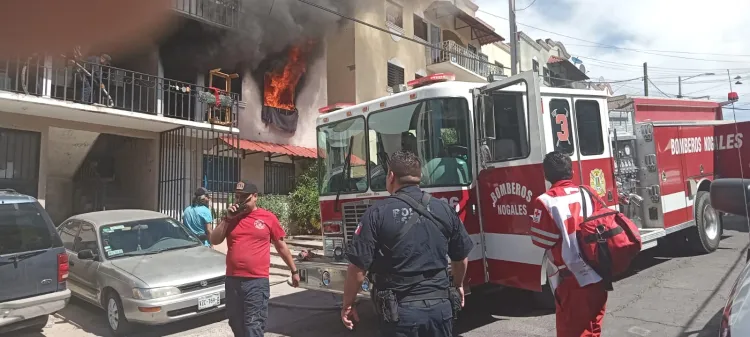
(280, 84)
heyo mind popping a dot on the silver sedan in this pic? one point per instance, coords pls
(141, 267)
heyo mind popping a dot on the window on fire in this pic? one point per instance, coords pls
(437, 130)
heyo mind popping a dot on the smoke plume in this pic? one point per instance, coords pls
(269, 26)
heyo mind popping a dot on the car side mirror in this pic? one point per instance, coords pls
(86, 254)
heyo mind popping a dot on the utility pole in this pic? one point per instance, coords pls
(513, 37)
(645, 78)
(679, 86)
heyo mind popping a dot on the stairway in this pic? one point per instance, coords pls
(67, 150)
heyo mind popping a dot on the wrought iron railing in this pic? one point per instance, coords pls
(89, 83)
(462, 56)
(220, 12)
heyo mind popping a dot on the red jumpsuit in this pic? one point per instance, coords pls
(579, 310)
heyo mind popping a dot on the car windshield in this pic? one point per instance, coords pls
(145, 237)
(436, 130)
(333, 147)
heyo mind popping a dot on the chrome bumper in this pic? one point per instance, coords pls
(173, 308)
(28, 308)
(323, 274)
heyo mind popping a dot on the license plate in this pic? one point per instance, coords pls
(209, 301)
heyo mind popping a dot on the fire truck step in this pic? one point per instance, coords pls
(305, 243)
(649, 237)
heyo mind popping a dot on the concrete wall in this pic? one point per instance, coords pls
(55, 192)
(499, 52)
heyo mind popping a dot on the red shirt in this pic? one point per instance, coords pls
(249, 244)
(560, 207)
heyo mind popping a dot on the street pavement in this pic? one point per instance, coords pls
(668, 294)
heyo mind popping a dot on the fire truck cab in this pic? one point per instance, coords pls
(481, 147)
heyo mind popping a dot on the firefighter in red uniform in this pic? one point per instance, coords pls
(579, 293)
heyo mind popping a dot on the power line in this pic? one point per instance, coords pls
(604, 46)
(527, 7)
(597, 43)
(657, 88)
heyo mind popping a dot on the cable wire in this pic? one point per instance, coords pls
(657, 88)
(527, 7)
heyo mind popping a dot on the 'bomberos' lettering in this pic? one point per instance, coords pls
(514, 189)
(708, 143)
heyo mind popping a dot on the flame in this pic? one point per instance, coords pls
(280, 84)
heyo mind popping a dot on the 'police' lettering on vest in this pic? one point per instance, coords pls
(507, 189)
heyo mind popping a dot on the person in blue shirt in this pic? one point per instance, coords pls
(197, 216)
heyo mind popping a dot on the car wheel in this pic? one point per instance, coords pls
(706, 234)
(118, 324)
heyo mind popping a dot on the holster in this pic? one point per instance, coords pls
(386, 305)
(455, 299)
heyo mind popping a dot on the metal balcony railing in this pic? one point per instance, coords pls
(462, 56)
(224, 13)
(62, 79)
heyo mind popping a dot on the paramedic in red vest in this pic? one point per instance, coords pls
(579, 293)
(250, 231)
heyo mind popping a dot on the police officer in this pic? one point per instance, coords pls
(403, 241)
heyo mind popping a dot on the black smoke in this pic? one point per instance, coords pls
(266, 27)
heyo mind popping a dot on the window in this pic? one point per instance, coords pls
(420, 28)
(394, 14)
(68, 233)
(395, 75)
(436, 130)
(535, 66)
(334, 141)
(547, 79)
(143, 237)
(86, 239)
(511, 130)
(559, 112)
(24, 227)
(589, 124)
(278, 178)
(220, 174)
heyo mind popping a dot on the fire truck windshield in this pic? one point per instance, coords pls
(333, 147)
(436, 130)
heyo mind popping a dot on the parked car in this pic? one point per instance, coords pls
(141, 267)
(33, 264)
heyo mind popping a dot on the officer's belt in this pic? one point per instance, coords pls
(434, 295)
(395, 279)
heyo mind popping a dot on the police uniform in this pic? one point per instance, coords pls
(579, 292)
(415, 269)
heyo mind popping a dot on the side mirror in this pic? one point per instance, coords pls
(86, 254)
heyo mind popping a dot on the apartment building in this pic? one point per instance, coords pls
(93, 130)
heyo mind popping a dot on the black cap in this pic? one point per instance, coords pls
(201, 191)
(245, 186)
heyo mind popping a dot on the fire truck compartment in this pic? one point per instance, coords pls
(327, 274)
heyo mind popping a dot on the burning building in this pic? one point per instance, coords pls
(281, 78)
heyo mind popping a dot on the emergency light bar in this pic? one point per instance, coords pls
(334, 107)
(435, 78)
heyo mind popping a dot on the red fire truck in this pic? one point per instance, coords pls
(481, 148)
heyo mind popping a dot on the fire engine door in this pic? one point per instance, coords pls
(509, 156)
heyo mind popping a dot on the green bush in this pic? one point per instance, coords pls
(279, 206)
(305, 207)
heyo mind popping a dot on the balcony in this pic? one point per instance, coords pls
(460, 61)
(116, 92)
(223, 13)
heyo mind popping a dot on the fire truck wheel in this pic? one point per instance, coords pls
(706, 234)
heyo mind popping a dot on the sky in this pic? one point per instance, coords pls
(614, 38)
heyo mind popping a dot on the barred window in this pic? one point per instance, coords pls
(278, 178)
(395, 75)
(220, 174)
(394, 14)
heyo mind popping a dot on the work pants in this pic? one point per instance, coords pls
(423, 318)
(247, 305)
(579, 310)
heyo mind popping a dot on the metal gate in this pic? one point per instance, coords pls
(19, 160)
(190, 158)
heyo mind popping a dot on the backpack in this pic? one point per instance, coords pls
(608, 241)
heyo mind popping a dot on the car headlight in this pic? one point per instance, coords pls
(151, 293)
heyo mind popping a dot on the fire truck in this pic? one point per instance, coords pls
(481, 148)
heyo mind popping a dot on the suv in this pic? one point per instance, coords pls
(33, 264)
